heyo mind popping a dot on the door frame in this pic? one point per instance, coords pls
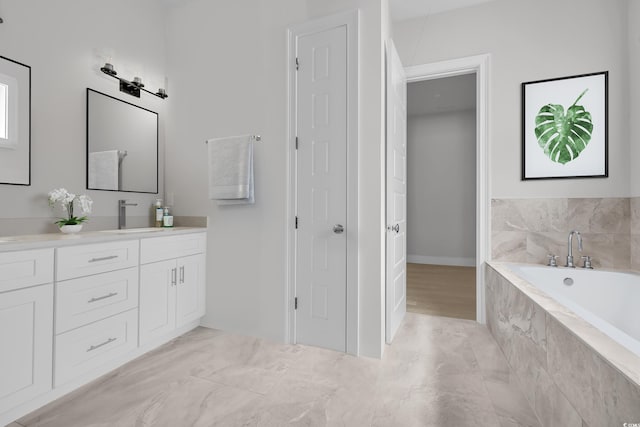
(351, 21)
(479, 64)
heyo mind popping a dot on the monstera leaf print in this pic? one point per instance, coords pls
(563, 136)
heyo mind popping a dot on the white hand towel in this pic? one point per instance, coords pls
(103, 170)
(231, 170)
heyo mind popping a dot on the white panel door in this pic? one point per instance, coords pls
(26, 344)
(321, 189)
(396, 281)
(158, 283)
(191, 289)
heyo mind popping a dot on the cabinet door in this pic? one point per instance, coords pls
(26, 337)
(157, 300)
(191, 289)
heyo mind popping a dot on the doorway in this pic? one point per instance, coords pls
(480, 66)
(441, 196)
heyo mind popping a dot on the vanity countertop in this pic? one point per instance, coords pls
(38, 241)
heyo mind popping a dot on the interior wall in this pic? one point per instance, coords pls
(65, 42)
(441, 188)
(528, 43)
(634, 93)
(228, 68)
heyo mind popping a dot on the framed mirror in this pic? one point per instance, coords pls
(15, 122)
(122, 145)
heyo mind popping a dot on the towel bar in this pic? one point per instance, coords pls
(256, 138)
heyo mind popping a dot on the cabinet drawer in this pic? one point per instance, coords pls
(87, 348)
(83, 260)
(25, 268)
(161, 248)
(87, 299)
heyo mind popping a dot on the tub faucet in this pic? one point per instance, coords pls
(122, 213)
(570, 250)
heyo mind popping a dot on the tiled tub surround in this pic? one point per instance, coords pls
(571, 373)
(526, 230)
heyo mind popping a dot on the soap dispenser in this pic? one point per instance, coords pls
(167, 219)
(158, 213)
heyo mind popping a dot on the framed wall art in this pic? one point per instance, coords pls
(15, 122)
(564, 127)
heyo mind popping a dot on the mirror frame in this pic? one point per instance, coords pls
(22, 139)
(89, 90)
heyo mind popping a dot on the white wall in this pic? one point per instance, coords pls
(531, 40)
(228, 74)
(634, 94)
(441, 194)
(62, 42)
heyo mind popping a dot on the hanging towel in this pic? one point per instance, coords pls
(103, 170)
(231, 170)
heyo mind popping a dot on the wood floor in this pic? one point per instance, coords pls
(442, 290)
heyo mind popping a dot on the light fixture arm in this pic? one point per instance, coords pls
(133, 87)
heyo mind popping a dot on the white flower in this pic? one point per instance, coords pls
(66, 200)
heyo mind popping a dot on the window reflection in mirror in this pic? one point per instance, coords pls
(122, 145)
(4, 111)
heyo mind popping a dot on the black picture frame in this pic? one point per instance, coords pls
(558, 145)
(17, 151)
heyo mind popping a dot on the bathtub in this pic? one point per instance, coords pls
(608, 300)
(572, 337)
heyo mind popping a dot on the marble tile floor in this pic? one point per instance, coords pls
(438, 372)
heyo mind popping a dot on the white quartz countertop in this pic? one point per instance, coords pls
(37, 241)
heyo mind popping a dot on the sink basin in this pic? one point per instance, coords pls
(134, 230)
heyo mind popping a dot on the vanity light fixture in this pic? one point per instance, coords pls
(133, 87)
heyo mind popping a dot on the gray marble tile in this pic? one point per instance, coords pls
(510, 403)
(429, 376)
(539, 245)
(600, 393)
(594, 215)
(509, 246)
(542, 215)
(447, 401)
(635, 251)
(635, 215)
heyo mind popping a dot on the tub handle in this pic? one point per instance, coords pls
(552, 260)
(587, 262)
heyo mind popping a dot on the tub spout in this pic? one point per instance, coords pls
(570, 263)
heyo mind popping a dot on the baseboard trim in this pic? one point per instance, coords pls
(460, 262)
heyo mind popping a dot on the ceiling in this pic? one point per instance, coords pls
(443, 95)
(406, 9)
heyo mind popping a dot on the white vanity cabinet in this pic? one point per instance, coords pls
(96, 306)
(26, 325)
(172, 291)
(73, 309)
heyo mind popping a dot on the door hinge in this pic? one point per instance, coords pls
(295, 303)
(297, 64)
(296, 222)
(296, 142)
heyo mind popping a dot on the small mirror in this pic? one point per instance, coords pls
(15, 122)
(122, 145)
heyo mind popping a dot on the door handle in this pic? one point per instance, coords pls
(174, 276)
(338, 229)
(182, 274)
(395, 228)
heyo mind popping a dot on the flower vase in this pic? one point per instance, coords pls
(71, 229)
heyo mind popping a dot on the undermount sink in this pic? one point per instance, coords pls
(134, 230)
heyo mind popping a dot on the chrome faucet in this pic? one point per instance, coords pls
(122, 213)
(570, 251)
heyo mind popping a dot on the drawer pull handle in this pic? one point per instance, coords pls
(95, 347)
(174, 276)
(104, 258)
(112, 294)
